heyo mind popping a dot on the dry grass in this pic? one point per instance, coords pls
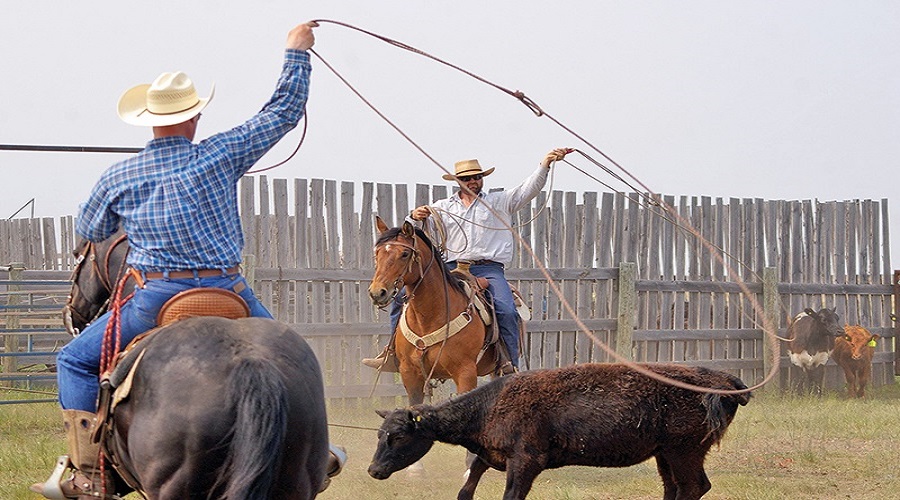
(777, 447)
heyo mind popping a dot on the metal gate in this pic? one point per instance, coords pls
(31, 332)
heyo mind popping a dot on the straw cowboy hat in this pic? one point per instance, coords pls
(467, 167)
(169, 100)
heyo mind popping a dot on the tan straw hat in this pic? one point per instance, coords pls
(170, 99)
(467, 167)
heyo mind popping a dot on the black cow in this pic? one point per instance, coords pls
(812, 340)
(605, 415)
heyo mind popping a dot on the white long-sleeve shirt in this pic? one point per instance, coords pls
(488, 237)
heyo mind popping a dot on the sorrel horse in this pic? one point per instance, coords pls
(217, 408)
(405, 256)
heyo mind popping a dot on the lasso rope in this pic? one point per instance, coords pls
(653, 199)
(768, 328)
(112, 339)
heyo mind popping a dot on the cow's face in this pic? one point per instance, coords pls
(859, 340)
(829, 320)
(401, 442)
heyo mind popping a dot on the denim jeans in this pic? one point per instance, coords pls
(78, 363)
(504, 305)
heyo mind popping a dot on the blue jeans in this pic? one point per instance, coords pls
(78, 363)
(504, 305)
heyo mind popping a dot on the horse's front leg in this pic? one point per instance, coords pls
(414, 383)
(466, 378)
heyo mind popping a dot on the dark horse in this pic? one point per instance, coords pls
(405, 256)
(217, 408)
(98, 267)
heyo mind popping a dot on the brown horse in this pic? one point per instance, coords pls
(438, 305)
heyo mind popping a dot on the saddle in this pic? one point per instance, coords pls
(115, 385)
(477, 290)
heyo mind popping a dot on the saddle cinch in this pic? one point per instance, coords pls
(476, 289)
(115, 385)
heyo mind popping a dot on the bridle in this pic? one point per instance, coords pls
(415, 259)
(89, 254)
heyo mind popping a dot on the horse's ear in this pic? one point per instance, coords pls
(408, 229)
(380, 225)
(382, 413)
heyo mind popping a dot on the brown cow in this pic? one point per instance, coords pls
(812, 340)
(605, 415)
(853, 352)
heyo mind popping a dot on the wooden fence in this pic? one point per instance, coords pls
(701, 271)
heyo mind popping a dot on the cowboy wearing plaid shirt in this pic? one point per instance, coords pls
(177, 202)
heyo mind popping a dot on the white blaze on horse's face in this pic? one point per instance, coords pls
(392, 263)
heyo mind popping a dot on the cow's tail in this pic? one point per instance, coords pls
(720, 409)
(259, 399)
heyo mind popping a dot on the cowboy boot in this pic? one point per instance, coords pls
(386, 361)
(81, 465)
(337, 457)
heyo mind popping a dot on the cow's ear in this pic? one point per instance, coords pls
(382, 413)
(875, 336)
(413, 417)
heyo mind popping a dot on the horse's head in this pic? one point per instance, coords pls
(401, 256)
(97, 267)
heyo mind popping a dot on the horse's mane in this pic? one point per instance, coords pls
(451, 278)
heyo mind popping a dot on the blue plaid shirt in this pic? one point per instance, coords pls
(178, 201)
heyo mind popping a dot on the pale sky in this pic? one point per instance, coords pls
(763, 99)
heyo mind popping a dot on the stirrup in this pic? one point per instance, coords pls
(52, 487)
(507, 369)
(336, 460)
(337, 457)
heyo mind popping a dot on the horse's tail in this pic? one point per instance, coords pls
(259, 399)
(720, 408)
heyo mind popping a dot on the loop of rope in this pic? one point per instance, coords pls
(538, 111)
(282, 162)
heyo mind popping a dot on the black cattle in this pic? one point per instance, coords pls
(604, 415)
(812, 340)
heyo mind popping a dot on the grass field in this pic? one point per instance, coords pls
(778, 447)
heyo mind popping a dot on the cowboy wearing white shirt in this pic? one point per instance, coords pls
(478, 231)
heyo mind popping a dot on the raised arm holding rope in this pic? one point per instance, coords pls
(479, 238)
(177, 202)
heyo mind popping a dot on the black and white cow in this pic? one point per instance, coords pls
(812, 340)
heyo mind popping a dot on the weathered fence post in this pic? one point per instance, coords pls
(248, 269)
(11, 341)
(625, 317)
(770, 305)
(896, 322)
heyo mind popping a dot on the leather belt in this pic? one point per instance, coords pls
(479, 262)
(199, 273)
